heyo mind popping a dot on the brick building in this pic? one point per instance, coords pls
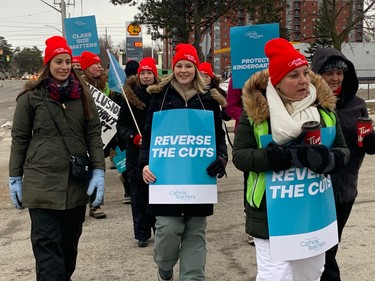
(298, 17)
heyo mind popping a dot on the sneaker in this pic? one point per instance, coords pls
(126, 199)
(97, 213)
(165, 275)
(142, 243)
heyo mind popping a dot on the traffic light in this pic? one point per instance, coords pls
(8, 58)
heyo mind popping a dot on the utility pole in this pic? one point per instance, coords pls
(62, 11)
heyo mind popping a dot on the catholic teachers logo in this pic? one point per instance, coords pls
(253, 35)
(182, 194)
(313, 243)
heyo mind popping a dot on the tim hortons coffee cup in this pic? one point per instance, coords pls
(364, 127)
(312, 132)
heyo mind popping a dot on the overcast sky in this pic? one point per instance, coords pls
(25, 23)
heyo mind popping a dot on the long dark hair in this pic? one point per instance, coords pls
(31, 85)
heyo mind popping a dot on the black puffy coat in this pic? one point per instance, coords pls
(139, 101)
(173, 100)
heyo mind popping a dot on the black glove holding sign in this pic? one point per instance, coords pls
(318, 158)
(279, 157)
(217, 167)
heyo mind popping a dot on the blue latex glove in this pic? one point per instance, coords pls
(96, 186)
(15, 188)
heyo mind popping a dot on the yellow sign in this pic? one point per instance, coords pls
(134, 29)
(223, 50)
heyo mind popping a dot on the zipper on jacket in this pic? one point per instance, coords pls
(63, 105)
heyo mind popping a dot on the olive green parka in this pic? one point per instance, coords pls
(39, 155)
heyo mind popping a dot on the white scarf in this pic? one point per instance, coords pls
(285, 126)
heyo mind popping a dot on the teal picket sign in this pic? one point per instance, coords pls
(120, 159)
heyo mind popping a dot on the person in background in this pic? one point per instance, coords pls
(39, 166)
(234, 109)
(213, 81)
(277, 101)
(341, 76)
(131, 69)
(234, 103)
(94, 74)
(181, 228)
(127, 132)
(76, 63)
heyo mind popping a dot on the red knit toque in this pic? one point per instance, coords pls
(88, 59)
(56, 45)
(186, 52)
(283, 58)
(148, 63)
(76, 59)
(206, 68)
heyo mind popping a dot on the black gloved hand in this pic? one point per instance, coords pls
(318, 158)
(217, 167)
(369, 143)
(279, 158)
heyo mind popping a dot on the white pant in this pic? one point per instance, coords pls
(309, 269)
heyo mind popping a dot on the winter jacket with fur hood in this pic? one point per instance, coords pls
(139, 101)
(169, 98)
(349, 108)
(246, 154)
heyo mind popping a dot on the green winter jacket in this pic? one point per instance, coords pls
(39, 155)
(248, 157)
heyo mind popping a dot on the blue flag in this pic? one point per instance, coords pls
(116, 75)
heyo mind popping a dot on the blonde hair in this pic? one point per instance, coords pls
(198, 82)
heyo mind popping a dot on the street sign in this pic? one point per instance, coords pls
(206, 44)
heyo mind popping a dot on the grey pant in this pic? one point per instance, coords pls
(181, 238)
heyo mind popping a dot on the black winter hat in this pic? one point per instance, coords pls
(131, 68)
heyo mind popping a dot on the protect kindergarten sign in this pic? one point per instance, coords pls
(182, 146)
(108, 112)
(247, 50)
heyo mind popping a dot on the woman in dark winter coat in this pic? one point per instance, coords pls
(181, 228)
(340, 75)
(39, 166)
(276, 103)
(129, 134)
(214, 82)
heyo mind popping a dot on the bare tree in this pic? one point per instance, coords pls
(178, 19)
(355, 13)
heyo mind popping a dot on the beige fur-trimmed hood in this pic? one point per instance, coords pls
(133, 99)
(157, 89)
(255, 103)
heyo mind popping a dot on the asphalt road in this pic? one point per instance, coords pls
(108, 251)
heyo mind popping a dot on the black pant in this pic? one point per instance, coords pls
(54, 238)
(126, 184)
(331, 268)
(143, 221)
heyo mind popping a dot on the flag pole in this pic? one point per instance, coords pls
(123, 92)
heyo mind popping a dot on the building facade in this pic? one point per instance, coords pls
(298, 16)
